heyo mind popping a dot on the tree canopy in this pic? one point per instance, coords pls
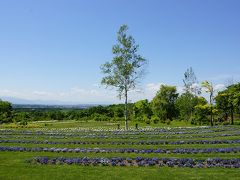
(163, 104)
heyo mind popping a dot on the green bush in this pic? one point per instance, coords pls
(23, 122)
(226, 123)
(99, 117)
(168, 121)
(155, 119)
(117, 119)
(146, 120)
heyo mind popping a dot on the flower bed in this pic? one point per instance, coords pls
(139, 161)
(124, 142)
(123, 150)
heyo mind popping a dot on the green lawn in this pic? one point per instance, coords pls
(14, 165)
(94, 124)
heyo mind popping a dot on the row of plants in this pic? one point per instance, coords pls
(139, 161)
(114, 130)
(122, 150)
(155, 142)
(153, 131)
(120, 137)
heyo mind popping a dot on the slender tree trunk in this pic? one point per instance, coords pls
(126, 110)
(191, 114)
(211, 110)
(232, 115)
(211, 117)
(239, 110)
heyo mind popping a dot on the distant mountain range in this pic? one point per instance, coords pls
(24, 103)
(40, 106)
(14, 100)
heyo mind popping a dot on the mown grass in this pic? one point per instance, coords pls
(13, 165)
(94, 124)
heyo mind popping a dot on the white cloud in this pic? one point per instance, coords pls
(195, 85)
(219, 87)
(96, 85)
(88, 95)
(41, 93)
(180, 89)
(83, 95)
(6, 92)
(76, 90)
(154, 87)
(76, 95)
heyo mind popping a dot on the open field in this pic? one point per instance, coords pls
(56, 151)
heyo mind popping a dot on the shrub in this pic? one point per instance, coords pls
(155, 119)
(226, 123)
(146, 120)
(99, 117)
(168, 121)
(23, 122)
(116, 119)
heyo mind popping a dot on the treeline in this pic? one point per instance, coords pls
(166, 106)
(24, 115)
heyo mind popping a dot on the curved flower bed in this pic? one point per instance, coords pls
(125, 142)
(149, 131)
(124, 150)
(58, 136)
(139, 161)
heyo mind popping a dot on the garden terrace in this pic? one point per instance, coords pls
(215, 149)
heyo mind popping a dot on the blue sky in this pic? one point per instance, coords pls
(52, 49)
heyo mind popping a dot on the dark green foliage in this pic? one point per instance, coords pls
(97, 113)
(155, 119)
(100, 117)
(223, 105)
(23, 122)
(185, 105)
(164, 103)
(201, 112)
(5, 112)
(228, 102)
(142, 109)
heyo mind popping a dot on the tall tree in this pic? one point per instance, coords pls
(191, 83)
(126, 67)
(234, 99)
(222, 104)
(208, 87)
(188, 100)
(163, 104)
(228, 101)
